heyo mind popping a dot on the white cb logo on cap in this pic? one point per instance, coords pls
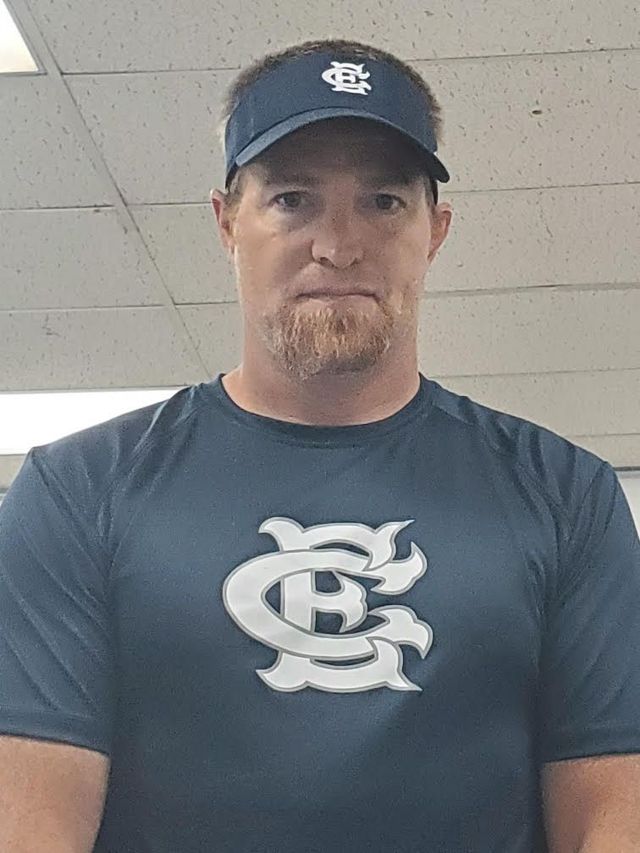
(347, 77)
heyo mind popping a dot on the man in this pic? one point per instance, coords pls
(321, 603)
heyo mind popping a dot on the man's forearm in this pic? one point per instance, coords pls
(606, 841)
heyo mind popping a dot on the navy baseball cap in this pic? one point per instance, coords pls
(318, 86)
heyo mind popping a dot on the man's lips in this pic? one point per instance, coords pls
(334, 294)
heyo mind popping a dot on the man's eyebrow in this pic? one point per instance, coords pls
(271, 178)
(381, 179)
(385, 179)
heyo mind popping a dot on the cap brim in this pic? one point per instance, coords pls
(434, 167)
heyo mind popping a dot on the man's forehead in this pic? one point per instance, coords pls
(309, 174)
(375, 152)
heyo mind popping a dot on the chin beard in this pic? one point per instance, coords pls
(328, 340)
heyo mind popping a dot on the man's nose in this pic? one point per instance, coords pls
(338, 239)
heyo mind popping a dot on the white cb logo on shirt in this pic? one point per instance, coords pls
(304, 656)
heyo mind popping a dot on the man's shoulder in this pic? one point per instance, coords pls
(92, 459)
(559, 467)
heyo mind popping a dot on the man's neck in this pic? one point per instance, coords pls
(323, 400)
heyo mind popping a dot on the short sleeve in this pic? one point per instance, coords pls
(590, 675)
(55, 644)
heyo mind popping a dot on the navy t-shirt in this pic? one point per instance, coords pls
(302, 639)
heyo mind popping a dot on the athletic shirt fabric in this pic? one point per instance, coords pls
(298, 638)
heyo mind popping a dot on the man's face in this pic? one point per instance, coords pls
(331, 242)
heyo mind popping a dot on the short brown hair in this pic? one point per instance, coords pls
(342, 50)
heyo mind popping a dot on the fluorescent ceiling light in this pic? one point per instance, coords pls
(28, 420)
(14, 53)
(630, 482)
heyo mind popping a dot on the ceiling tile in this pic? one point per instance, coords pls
(153, 34)
(571, 404)
(44, 164)
(621, 451)
(104, 348)
(216, 331)
(493, 140)
(184, 243)
(9, 467)
(157, 132)
(531, 332)
(529, 238)
(71, 259)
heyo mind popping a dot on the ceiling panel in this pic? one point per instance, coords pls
(43, 162)
(157, 132)
(71, 259)
(528, 238)
(571, 404)
(621, 451)
(216, 331)
(531, 332)
(184, 243)
(151, 34)
(107, 348)
(492, 141)
(9, 467)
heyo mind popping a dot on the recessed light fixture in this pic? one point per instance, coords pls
(15, 57)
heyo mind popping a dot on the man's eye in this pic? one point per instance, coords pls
(386, 197)
(293, 195)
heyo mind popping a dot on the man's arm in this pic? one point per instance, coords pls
(51, 796)
(592, 805)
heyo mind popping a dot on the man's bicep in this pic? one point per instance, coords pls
(592, 803)
(51, 795)
(56, 678)
(590, 666)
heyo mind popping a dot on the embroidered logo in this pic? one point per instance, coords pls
(348, 77)
(331, 662)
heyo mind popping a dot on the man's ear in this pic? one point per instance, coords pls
(224, 220)
(440, 223)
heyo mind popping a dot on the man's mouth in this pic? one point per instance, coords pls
(328, 294)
